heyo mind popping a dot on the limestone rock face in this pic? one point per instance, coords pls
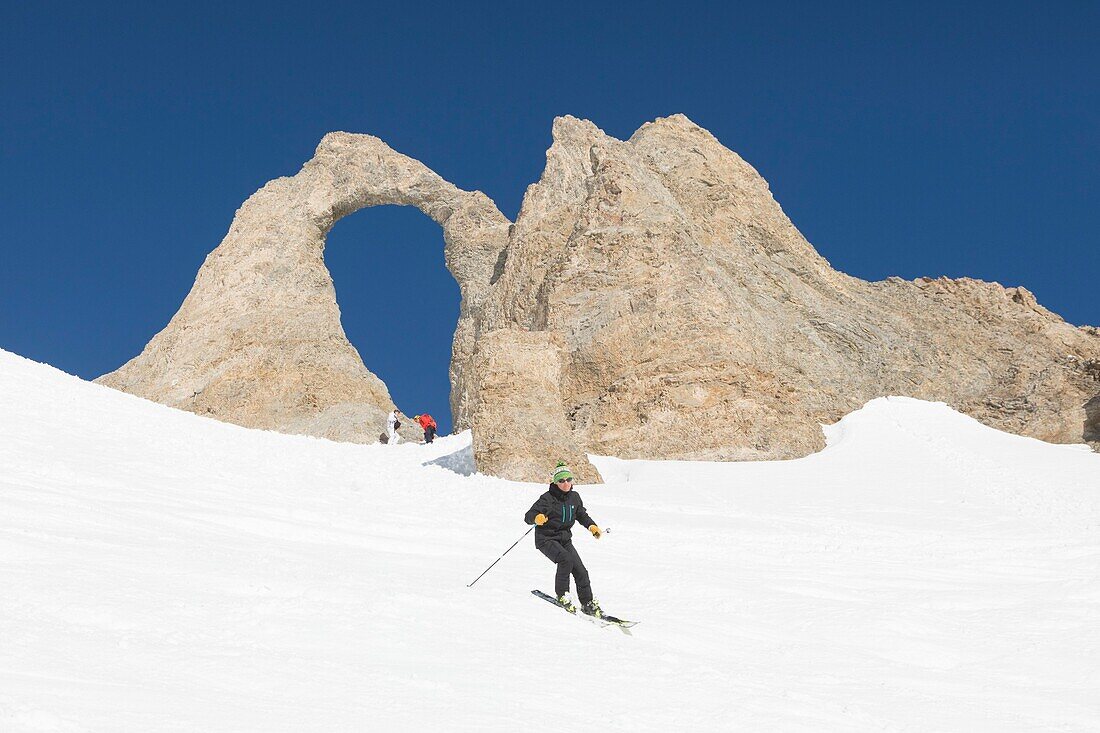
(651, 300)
(258, 340)
(698, 323)
(517, 380)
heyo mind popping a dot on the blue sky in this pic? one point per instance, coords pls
(902, 139)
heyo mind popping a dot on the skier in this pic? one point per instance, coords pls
(554, 514)
(427, 422)
(392, 424)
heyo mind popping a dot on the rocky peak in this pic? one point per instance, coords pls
(652, 299)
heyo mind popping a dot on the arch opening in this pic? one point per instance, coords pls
(398, 303)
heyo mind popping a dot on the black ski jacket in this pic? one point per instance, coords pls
(562, 509)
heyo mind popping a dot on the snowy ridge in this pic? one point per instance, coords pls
(166, 572)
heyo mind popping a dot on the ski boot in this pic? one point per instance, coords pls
(592, 608)
(566, 602)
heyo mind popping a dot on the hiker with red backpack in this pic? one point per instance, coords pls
(427, 422)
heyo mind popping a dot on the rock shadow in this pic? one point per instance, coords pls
(1091, 429)
(460, 462)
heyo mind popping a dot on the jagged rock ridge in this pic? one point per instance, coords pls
(652, 299)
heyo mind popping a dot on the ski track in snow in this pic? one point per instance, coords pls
(166, 572)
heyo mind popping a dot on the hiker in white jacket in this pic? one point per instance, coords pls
(392, 424)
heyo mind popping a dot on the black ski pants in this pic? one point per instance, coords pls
(429, 434)
(569, 563)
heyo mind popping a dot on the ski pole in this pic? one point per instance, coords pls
(501, 555)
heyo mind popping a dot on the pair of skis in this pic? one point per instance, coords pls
(601, 621)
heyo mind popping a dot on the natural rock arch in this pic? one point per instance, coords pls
(258, 340)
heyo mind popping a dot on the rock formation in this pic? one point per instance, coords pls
(258, 340)
(652, 299)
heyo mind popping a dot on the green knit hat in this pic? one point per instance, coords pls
(561, 471)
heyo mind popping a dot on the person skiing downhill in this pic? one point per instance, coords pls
(553, 515)
(392, 424)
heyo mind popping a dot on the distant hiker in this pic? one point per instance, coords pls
(554, 514)
(427, 422)
(392, 424)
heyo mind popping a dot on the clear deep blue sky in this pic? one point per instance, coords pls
(915, 139)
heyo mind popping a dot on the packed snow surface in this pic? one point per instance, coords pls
(161, 571)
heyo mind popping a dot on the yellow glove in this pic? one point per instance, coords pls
(540, 519)
(595, 531)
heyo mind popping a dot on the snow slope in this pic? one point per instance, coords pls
(164, 572)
